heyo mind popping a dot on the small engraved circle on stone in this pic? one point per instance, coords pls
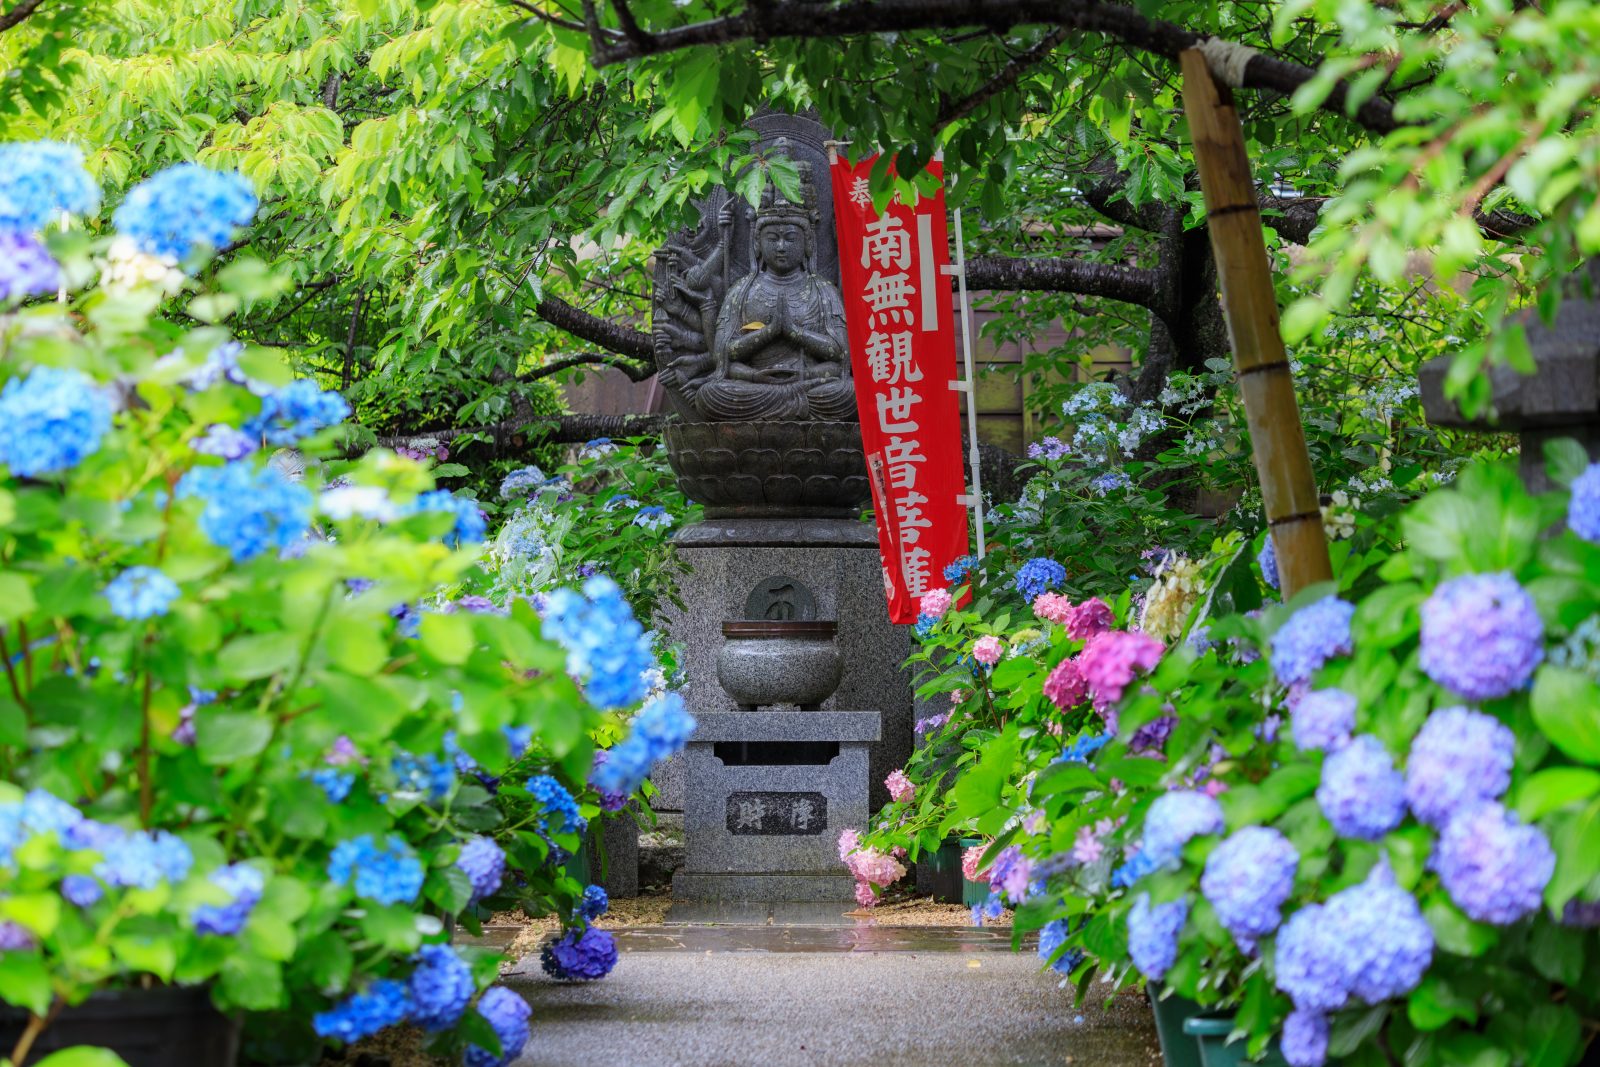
(780, 599)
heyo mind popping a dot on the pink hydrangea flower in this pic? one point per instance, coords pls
(1065, 687)
(901, 789)
(969, 862)
(879, 868)
(1214, 788)
(865, 896)
(1052, 607)
(1091, 617)
(958, 695)
(986, 650)
(1109, 659)
(935, 602)
(849, 841)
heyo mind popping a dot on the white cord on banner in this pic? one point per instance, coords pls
(1227, 59)
(971, 389)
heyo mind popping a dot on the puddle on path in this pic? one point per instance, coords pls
(733, 938)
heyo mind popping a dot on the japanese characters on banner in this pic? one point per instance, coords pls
(901, 321)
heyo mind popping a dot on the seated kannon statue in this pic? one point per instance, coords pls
(780, 349)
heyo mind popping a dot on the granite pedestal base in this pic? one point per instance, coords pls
(768, 793)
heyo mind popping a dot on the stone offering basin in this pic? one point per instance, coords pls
(763, 663)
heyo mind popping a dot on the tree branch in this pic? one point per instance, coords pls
(18, 13)
(952, 110)
(1113, 281)
(553, 429)
(612, 336)
(635, 370)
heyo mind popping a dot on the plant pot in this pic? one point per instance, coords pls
(1210, 1033)
(1178, 1049)
(578, 865)
(944, 879)
(971, 892)
(168, 1027)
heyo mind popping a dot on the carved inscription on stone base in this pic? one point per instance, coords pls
(777, 814)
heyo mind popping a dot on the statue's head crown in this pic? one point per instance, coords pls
(775, 207)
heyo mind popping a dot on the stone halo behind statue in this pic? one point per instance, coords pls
(752, 351)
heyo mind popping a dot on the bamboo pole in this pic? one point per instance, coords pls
(1261, 367)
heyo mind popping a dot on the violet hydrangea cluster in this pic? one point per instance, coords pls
(579, 956)
(1267, 560)
(660, 730)
(1494, 866)
(1310, 638)
(26, 267)
(386, 873)
(484, 864)
(1322, 719)
(1460, 758)
(51, 420)
(607, 649)
(1174, 819)
(1481, 636)
(185, 209)
(1247, 879)
(247, 510)
(1361, 794)
(507, 1015)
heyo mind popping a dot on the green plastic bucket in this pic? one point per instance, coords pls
(1210, 1033)
(1178, 1048)
(971, 892)
(944, 868)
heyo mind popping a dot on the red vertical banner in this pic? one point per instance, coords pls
(901, 321)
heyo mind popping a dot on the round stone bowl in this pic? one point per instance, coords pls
(766, 663)
(770, 469)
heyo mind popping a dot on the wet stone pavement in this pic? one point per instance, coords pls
(781, 985)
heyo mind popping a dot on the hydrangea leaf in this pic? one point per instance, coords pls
(227, 737)
(1554, 788)
(1564, 703)
(24, 981)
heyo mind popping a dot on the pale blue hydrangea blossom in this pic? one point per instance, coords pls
(1583, 510)
(39, 182)
(1247, 879)
(1361, 793)
(51, 420)
(1458, 759)
(1493, 866)
(1174, 818)
(1153, 935)
(1322, 719)
(1481, 636)
(141, 593)
(1312, 636)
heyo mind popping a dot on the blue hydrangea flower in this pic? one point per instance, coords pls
(390, 874)
(440, 988)
(246, 884)
(959, 569)
(485, 865)
(45, 813)
(1153, 935)
(26, 268)
(297, 411)
(593, 903)
(51, 421)
(1039, 575)
(580, 957)
(1305, 1039)
(661, 729)
(1481, 636)
(606, 647)
(15, 937)
(1493, 866)
(1138, 865)
(1267, 560)
(1361, 793)
(560, 809)
(1247, 879)
(1323, 719)
(610, 800)
(184, 209)
(144, 859)
(1583, 511)
(81, 890)
(1458, 759)
(1369, 941)
(225, 442)
(507, 1014)
(1110, 482)
(386, 1003)
(141, 593)
(427, 774)
(247, 510)
(1174, 819)
(470, 526)
(992, 907)
(1312, 636)
(653, 517)
(335, 783)
(1051, 937)
(519, 482)
(40, 180)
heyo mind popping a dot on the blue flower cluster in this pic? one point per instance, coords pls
(1051, 937)
(1458, 759)
(426, 774)
(1039, 575)
(184, 209)
(51, 421)
(1583, 511)
(520, 482)
(1481, 636)
(1305, 1039)
(81, 890)
(1267, 560)
(958, 570)
(991, 907)
(1322, 719)
(297, 411)
(1174, 819)
(610, 800)
(244, 884)
(439, 988)
(1361, 793)
(385, 1003)
(1310, 638)
(40, 180)
(606, 647)
(507, 1014)
(334, 782)
(1110, 482)
(485, 865)
(26, 267)
(1153, 935)
(141, 593)
(470, 526)
(1082, 747)
(1247, 879)
(144, 859)
(594, 903)
(560, 809)
(224, 442)
(661, 729)
(248, 511)
(1494, 867)
(386, 874)
(580, 957)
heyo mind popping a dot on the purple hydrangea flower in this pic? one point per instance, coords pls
(1312, 636)
(51, 421)
(1009, 874)
(610, 800)
(141, 593)
(225, 442)
(82, 890)
(580, 957)
(1583, 511)
(185, 208)
(26, 267)
(439, 988)
(507, 1014)
(1247, 879)
(593, 903)
(1305, 1039)
(1481, 636)
(1322, 719)
(1153, 935)
(1458, 759)
(385, 1003)
(485, 865)
(1361, 793)
(1584, 914)
(245, 884)
(1493, 866)
(1267, 560)
(14, 938)
(387, 874)
(1174, 818)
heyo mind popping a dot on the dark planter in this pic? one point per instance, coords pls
(944, 878)
(167, 1027)
(1210, 1033)
(971, 892)
(1178, 1049)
